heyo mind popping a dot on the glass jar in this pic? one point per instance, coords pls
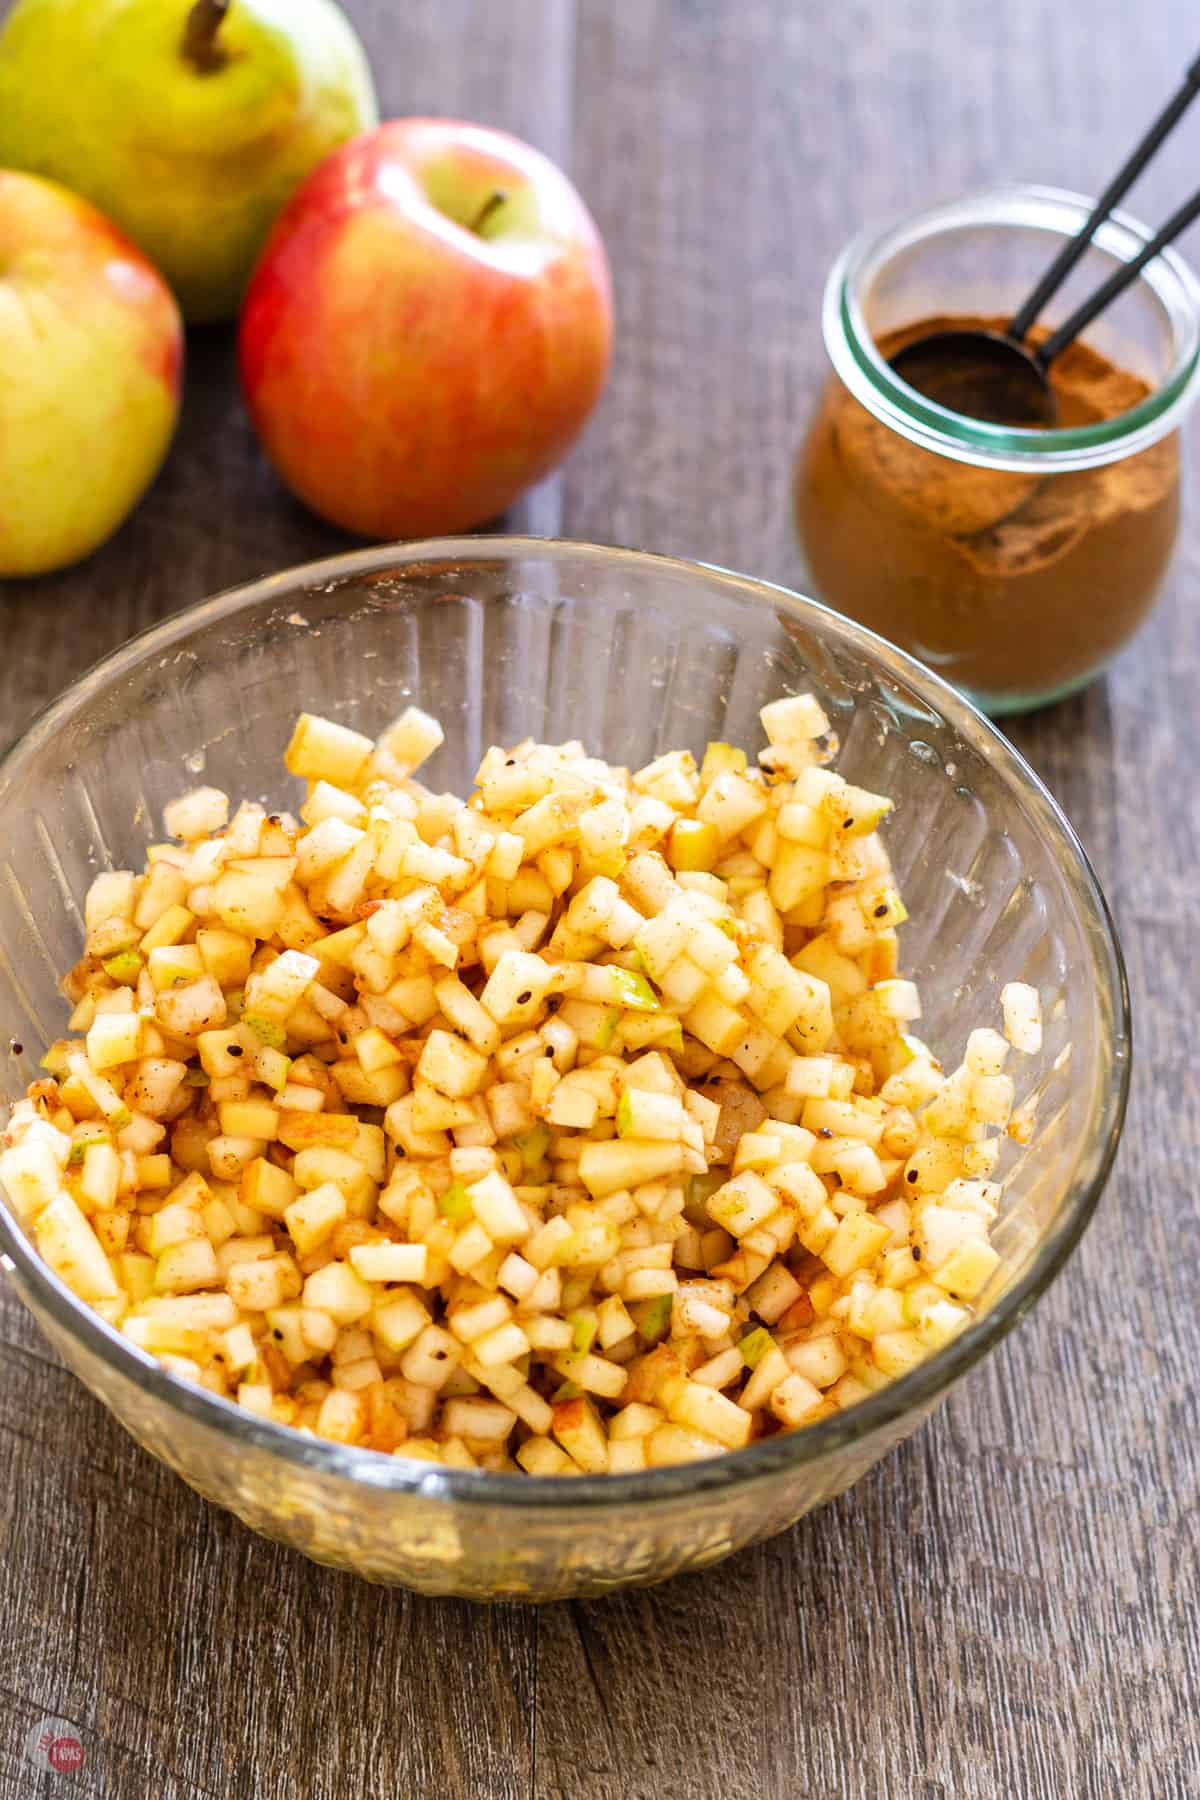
(1013, 562)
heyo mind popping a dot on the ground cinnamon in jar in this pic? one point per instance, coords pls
(1009, 584)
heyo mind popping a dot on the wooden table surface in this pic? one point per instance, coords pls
(1007, 1607)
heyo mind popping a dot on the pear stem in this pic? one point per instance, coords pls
(494, 200)
(200, 45)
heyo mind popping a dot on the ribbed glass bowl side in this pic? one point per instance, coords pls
(489, 1551)
(633, 654)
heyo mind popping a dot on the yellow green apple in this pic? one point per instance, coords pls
(188, 122)
(91, 357)
(427, 329)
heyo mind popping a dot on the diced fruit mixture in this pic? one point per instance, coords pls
(576, 1127)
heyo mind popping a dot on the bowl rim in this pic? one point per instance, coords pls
(907, 1399)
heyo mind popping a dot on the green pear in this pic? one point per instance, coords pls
(188, 122)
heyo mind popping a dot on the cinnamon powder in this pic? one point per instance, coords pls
(1010, 584)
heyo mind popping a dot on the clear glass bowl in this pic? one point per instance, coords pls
(634, 654)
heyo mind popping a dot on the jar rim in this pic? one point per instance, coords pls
(857, 360)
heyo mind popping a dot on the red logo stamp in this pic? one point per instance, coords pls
(56, 1744)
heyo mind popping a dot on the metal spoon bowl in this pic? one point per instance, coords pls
(981, 374)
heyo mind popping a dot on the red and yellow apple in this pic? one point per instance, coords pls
(91, 352)
(427, 329)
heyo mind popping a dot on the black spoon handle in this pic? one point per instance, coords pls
(1117, 282)
(1120, 184)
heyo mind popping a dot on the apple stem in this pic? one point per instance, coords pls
(200, 45)
(494, 200)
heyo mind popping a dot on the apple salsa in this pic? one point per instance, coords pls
(575, 1127)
